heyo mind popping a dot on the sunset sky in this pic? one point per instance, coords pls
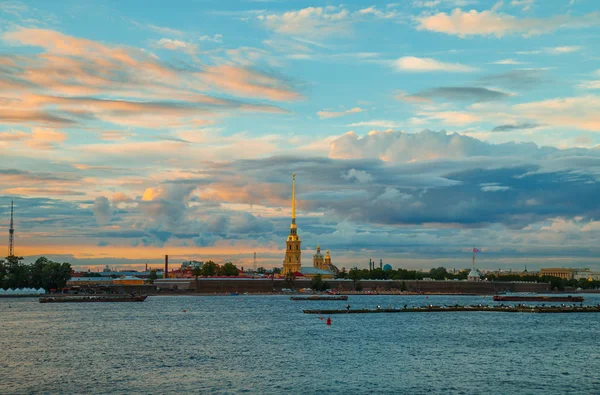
(417, 130)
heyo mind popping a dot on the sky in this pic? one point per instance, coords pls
(418, 130)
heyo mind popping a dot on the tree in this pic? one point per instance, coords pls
(354, 275)
(342, 274)
(17, 273)
(439, 273)
(152, 276)
(209, 269)
(277, 270)
(317, 283)
(55, 275)
(261, 270)
(229, 269)
(3, 271)
(196, 271)
(289, 279)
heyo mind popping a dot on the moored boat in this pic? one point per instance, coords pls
(91, 298)
(537, 298)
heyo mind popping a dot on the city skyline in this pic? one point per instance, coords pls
(417, 131)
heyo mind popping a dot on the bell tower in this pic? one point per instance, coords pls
(291, 262)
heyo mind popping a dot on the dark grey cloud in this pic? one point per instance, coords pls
(456, 93)
(518, 126)
(519, 78)
(408, 205)
(101, 210)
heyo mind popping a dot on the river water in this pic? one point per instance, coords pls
(265, 344)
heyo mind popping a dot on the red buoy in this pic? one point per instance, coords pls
(328, 321)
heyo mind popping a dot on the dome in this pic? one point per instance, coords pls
(387, 267)
(473, 273)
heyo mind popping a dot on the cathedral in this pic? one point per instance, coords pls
(323, 263)
(292, 262)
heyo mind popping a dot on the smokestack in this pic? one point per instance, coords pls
(166, 267)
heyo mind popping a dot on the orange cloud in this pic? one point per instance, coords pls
(490, 22)
(45, 138)
(69, 81)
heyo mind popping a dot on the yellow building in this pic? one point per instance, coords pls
(318, 259)
(128, 280)
(322, 262)
(566, 273)
(291, 262)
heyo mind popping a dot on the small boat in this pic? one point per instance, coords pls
(92, 298)
(537, 298)
(320, 297)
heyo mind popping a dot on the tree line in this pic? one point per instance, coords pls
(441, 273)
(43, 273)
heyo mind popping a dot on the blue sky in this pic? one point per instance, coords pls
(417, 130)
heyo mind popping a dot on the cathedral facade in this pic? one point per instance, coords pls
(292, 262)
(322, 262)
(293, 252)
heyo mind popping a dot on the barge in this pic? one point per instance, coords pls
(92, 298)
(537, 298)
(320, 297)
(448, 309)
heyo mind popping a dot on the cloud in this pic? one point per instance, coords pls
(562, 50)
(75, 81)
(102, 210)
(421, 65)
(453, 93)
(309, 22)
(526, 4)
(13, 135)
(593, 84)
(249, 83)
(375, 124)
(493, 187)
(513, 127)
(448, 117)
(358, 175)
(508, 61)
(484, 23)
(580, 112)
(45, 139)
(335, 114)
(518, 78)
(217, 38)
(176, 45)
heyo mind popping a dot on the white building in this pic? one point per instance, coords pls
(586, 275)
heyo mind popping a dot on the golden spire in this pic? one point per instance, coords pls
(294, 198)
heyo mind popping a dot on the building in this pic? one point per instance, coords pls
(473, 275)
(587, 275)
(565, 273)
(292, 262)
(322, 262)
(128, 280)
(89, 281)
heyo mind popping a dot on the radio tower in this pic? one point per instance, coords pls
(254, 264)
(11, 232)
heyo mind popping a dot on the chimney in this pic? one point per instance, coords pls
(166, 267)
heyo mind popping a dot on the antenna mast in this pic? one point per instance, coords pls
(11, 232)
(254, 264)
